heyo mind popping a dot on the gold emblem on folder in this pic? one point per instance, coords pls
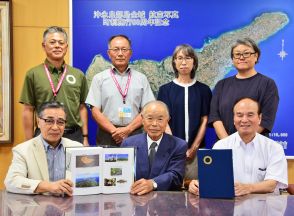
(207, 160)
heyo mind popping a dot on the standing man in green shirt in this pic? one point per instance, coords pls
(56, 80)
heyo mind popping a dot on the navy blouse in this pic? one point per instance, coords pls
(229, 90)
(199, 97)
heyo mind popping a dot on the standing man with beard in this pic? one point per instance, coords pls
(56, 80)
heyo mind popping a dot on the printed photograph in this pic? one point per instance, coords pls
(87, 160)
(110, 182)
(115, 171)
(122, 157)
(110, 157)
(87, 180)
(121, 181)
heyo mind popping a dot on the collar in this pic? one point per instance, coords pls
(150, 141)
(47, 146)
(116, 71)
(185, 84)
(241, 143)
(53, 69)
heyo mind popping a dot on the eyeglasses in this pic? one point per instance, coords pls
(117, 50)
(245, 55)
(187, 59)
(50, 122)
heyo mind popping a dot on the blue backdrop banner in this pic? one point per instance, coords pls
(156, 27)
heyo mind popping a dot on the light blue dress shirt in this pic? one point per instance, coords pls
(55, 161)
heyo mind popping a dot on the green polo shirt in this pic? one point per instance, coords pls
(72, 93)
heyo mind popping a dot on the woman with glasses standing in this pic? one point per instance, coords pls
(246, 83)
(188, 101)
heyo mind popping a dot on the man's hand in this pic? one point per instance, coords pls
(142, 186)
(242, 189)
(194, 187)
(60, 187)
(120, 133)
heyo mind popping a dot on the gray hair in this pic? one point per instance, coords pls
(50, 105)
(54, 29)
(122, 36)
(247, 42)
(157, 103)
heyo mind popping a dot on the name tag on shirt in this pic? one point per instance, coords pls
(125, 112)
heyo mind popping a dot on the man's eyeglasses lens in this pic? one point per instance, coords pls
(49, 121)
(245, 55)
(123, 50)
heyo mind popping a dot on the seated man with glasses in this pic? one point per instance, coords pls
(38, 165)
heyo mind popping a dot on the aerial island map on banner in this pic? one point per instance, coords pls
(211, 27)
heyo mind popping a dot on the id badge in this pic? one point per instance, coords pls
(125, 112)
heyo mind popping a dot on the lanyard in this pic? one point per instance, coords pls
(123, 94)
(55, 91)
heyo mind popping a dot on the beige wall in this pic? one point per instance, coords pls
(30, 18)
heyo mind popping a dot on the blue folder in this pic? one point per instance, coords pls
(215, 173)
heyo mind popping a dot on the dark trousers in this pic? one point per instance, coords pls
(104, 138)
(74, 133)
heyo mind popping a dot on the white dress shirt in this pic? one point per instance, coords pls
(259, 160)
(150, 141)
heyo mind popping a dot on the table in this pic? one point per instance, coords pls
(155, 203)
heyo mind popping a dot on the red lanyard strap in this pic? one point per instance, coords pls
(55, 91)
(123, 94)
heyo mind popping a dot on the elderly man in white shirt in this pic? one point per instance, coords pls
(259, 163)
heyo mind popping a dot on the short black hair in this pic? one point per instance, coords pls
(119, 35)
(250, 98)
(50, 105)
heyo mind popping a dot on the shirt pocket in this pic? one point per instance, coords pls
(261, 173)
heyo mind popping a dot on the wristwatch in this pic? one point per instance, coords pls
(154, 185)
